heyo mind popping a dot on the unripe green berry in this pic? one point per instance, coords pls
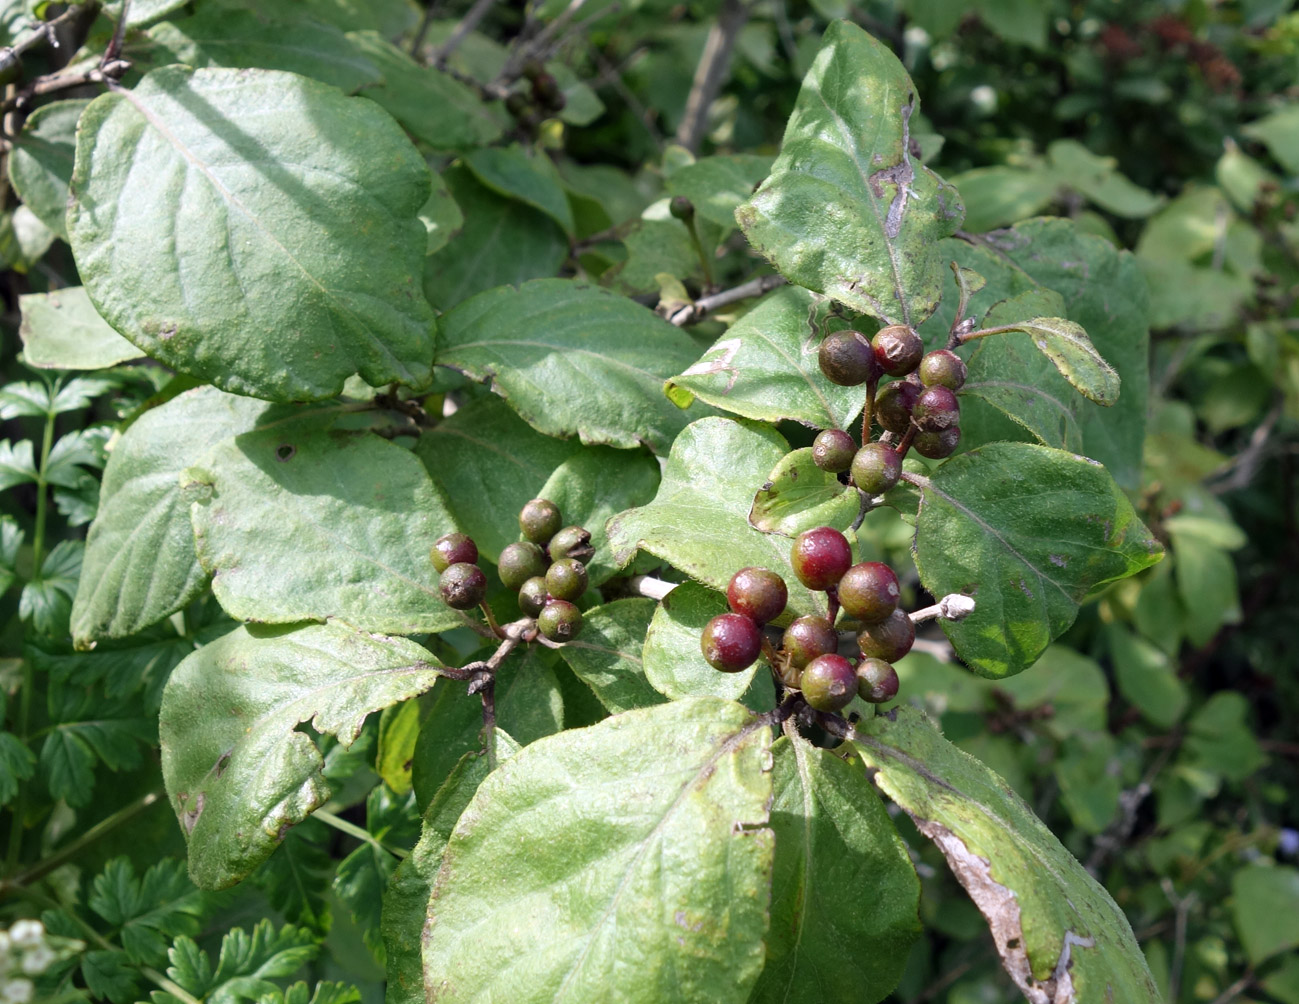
(533, 595)
(936, 409)
(890, 639)
(559, 621)
(943, 368)
(808, 638)
(731, 642)
(897, 349)
(833, 450)
(572, 542)
(846, 359)
(520, 562)
(452, 549)
(533, 69)
(937, 445)
(463, 586)
(869, 592)
(517, 105)
(757, 593)
(893, 405)
(829, 683)
(876, 468)
(539, 520)
(566, 579)
(681, 208)
(820, 557)
(877, 681)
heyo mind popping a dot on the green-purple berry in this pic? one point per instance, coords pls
(566, 579)
(519, 563)
(539, 520)
(890, 639)
(833, 450)
(463, 586)
(943, 368)
(877, 681)
(559, 621)
(829, 683)
(876, 468)
(533, 595)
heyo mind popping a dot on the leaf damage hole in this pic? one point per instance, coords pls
(285, 452)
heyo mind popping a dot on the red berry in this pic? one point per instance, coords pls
(820, 557)
(943, 368)
(847, 359)
(890, 639)
(936, 409)
(829, 683)
(833, 450)
(731, 642)
(808, 638)
(452, 549)
(758, 594)
(893, 405)
(876, 468)
(877, 681)
(937, 445)
(869, 592)
(897, 349)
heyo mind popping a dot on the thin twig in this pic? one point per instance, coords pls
(714, 65)
(706, 304)
(649, 586)
(425, 22)
(868, 411)
(360, 833)
(1236, 989)
(1240, 470)
(538, 48)
(467, 24)
(1182, 908)
(952, 607)
(1130, 801)
(114, 48)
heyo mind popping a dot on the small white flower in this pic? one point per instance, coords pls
(27, 933)
(37, 960)
(17, 991)
(984, 98)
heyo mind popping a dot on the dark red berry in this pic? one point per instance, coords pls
(731, 642)
(936, 409)
(566, 579)
(829, 683)
(820, 557)
(869, 592)
(540, 520)
(890, 639)
(877, 681)
(876, 468)
(572, 542)
(463, 586)
(681, 208)
(452, 549)
(533, 595)
(847, 359)
(893, 405)
(942, 368)
(897, 349)
(937, 445)
(559, 621)
(833, 450)
(808, 638)
(757, 593)
(519, 563)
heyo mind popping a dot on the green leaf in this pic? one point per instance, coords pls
(999, 196)
(844, 894)
(87, 731)
(109, 975)
(1089, 786)
(245, 968)
(148, 912)
(798, 495)
(1265, 906)
(17, 464)
(607, 654)
(846, 210)
(219, 36)
(1059, 934)
(687, 785)
(17, 763)
(441, 216)
(1279, 132)
(296, 524)
(1206, 582)
(40, 166)
(46, 600)
(24, 239)
(1028, 532)
(1146, 678)
(1220, 740)
(717, 186)
(387, 17)
(1066, 344)
(434, 107)
(572, 359)
(398, 731)
(699, 520)
(237, 771)
(765, 366)
(1096, 178)
(296, 877)
(62, 330)
(513, 173)
(140, 564)
(268, 186)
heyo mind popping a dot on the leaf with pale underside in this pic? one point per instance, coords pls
(798, 496)
(1028, 532)
(1066, 344)
(1059, 934)
(256, 229)
(848, 209)
(237, 769)
(62, 330)
(683, 874)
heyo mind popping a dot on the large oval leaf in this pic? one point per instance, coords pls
(256, 229)
(607, 655)
(62, 330)
(238, 771)
(642, 830)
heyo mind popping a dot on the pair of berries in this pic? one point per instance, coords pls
(875, 468)
(732, 642)
(548, 569)
(929, 404)
(849, 359)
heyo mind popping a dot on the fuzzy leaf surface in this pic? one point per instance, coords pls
(798, 495)
(40, 166)
(606, 656)
(62, 330)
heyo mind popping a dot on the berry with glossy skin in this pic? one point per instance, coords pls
(463, 586)
(893, 405)
(731, 642)
(936, 409)
(937, 445)
(757, 593)
(566, 579)
(847, 359)
(869, 592)
(877, 681)
(809, 638)
(559, 621)
(533, 595)
(452, 549)
(898, 349)
(943, 368)
(681, 208)
(820, 557)
(890, 639)
(833, 450)
(572, 542)
(829, 683)
(876, 468)
(539, 520)
(519, 563)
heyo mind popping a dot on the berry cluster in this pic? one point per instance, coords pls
(546, 97)
(808, 658)
(920, 406)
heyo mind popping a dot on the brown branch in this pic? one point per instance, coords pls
(466, 24)
(706, 304)
(710, 74)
